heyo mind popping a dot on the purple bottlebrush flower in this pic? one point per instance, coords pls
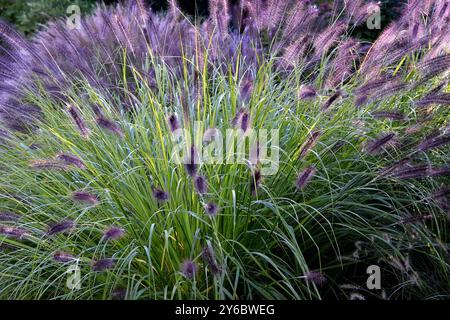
(189, 269)
(442, 99)
(328, 37)
(9, 216)
(241, 120)
(110, 126)
(431, 68)
(360, 100)
(442, 198)
(388, 91)
(191, 162)
(210, 134)
(443, 192)
(245, 121)
(209, 256)
(103, 264)
(414, 129)
(342, 67)
(246, 90)
(306, 93)
(415, 30)
(389, 114)
(4, 135)
(401, 164)
(63, 226)
(412, 172)
(375, 145)
(61, 256)
(436, 89)
(160, 195)
(173, 123)
(434, 141)
(255, 181)
(85, 198)
(12, 37)
(414, 219)
(78, 120)
(12, 232)
(439, 171)
(237, 118)
(309, 144)
(119, 294)
(377, 84)
(316, 278)
(97, 110)
(304, 177)
(219, 14)
(201, 184)
(48, 165)
(293, 52)
(211, 209)
(71, 159)
(113, 233)
(330, 101)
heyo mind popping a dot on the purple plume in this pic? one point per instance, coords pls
(48, 165)
(330, 101)
(316, 278)
(173, 122)
(304, 177)
(9, 216)
(60, 227)
(442, 198)
(103, 264)
(201, 184)
(119, 294)
(191, 162)
(211, 209)
(189, 269)
(306, 93)
(246, 90)
(411, 172)
(434, 141)
(110, 126)
(394, 115)
(241, 120)
(79, 122)
(113, 233)
(255, 181)
(85, 198)
(309, 144)
(442, 99)
(160, 195)
(420, 171)
(71, 159)
(415, 219)
(12, 232)
(376, 145)
(61, 256)
(209, 256)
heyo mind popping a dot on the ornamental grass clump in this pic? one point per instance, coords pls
(115, 157)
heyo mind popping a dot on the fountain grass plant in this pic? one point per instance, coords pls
(91, 183)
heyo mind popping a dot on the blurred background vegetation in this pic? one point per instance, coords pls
(28, 15)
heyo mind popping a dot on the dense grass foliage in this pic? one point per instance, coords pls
(87, 179)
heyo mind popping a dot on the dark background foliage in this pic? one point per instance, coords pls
(27, 15)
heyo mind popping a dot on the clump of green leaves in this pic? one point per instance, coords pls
(27, 16)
